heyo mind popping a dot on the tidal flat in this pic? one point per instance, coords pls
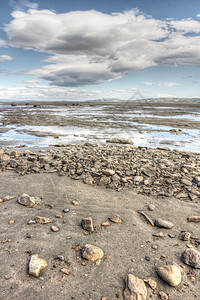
(174, 124)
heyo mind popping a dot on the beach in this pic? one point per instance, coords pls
(127, 190)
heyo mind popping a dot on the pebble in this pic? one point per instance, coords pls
(61, 257)
(91, 252)
(26, 200)
(87, 224)
(195, 219)
(105, 224)
(184, 236)
(191, 257)
(36, 264)
(65, 271)
(109, 172)
(66, 210)
(170, 273)
(42, 220)
(116, 219)
(158, 234)
(162, 223)
(151, 207)
(163, 295)
(152, 283)
(54, 228)
(74, 202)
(135, 288)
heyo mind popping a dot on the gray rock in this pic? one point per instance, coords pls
(54, 228)
(171, 274)
(104, 180)
(184, 236)
(135, 288)
(26, 200)
(191, 257)
(195, 219)
(151, 207)
(91, 252)
(162, 223)
(87, 224)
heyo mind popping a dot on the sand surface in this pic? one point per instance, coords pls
(122, 243)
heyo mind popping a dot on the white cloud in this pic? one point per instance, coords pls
(166, 96)
(90, 47)
(4, 58)
(162, 83)
(22, 4)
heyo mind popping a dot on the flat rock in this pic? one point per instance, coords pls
(109, 172)
(191, 257)
(163, 223)
(195, 219)
(135, 288)
(87, 224)
(115, 219)
(163, 295)
(26, 200)
(42, 220)
(54, 228)
(36, 264)
(91, 252)
(170, 273)
(120, 141)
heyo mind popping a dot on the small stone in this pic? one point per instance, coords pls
(152, 283)
(26, 200)
(1, 200)
(120, 140)
(162, 223)
(105, 224)
(184, 236)
(116, 219)
(42, 220)
(151, 207)
(8, 198)
(54, 228)
(158, 234)
(65, 271)
(58, 216)
(109, 172)
(172, 236)
(36, 264)
(87, 224)
(31, 222)
(163, 296)
(170, 273)
(191, 257)
(195, 219)
(137, 179)
(74, 202)
(61, 257)
(135, 288)
(91, 252)
(147, 258)
(66, 210)
(155, 247)
(104, 181)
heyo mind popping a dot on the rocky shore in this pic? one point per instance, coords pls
(126, 226)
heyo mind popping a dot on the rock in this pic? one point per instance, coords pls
(66, 210)
(186, 181)
(162, 223)
(105, 224)
(92, 253)
(191, 257)
(158, 234)
(1, 200)
(87, 224)
(36, 264)
(26, 200)
(195, 219)
(42, 220)
(135, 288)
(75, 203)
(163, 295)
(65, 271)
(152, 283)
(184, 236)
(8, 198)
(137, 179)
(115, 219)
(170, 273)
(104, 181)
(120, 141)
(54, 228)
(109, 172)
(151, 207)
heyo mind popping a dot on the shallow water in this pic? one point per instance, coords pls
(105, 122)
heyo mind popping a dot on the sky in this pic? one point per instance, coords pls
(89, 49)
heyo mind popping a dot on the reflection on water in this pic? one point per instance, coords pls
(141, 134)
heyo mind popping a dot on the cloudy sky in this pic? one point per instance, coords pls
(91, 49)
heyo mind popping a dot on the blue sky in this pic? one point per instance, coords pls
(79, 50)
